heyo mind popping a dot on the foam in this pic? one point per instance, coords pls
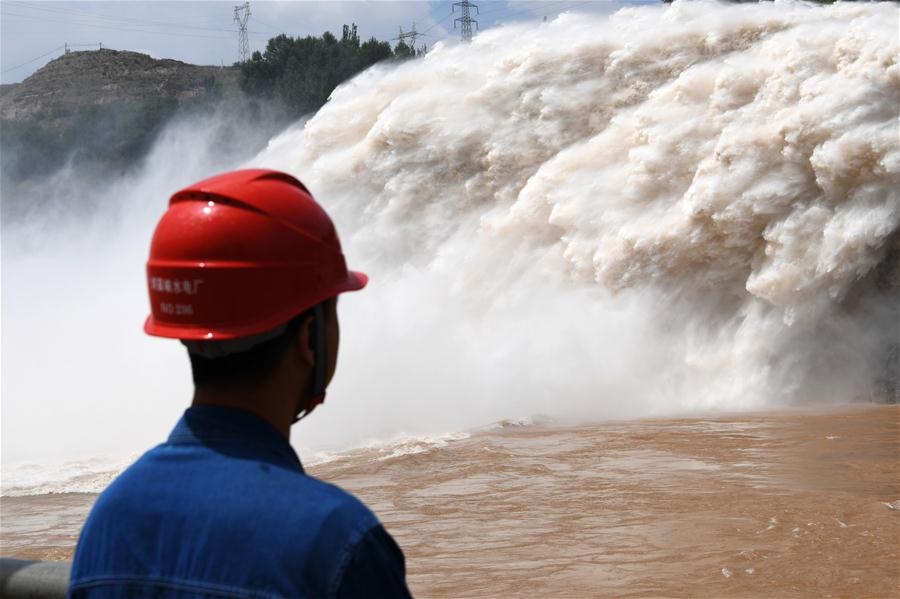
(678, 208)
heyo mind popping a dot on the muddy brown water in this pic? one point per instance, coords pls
(786, 504)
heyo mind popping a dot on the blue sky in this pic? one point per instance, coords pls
(33, 33)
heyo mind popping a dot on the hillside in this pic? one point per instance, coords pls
(54, 94)
(103, 109)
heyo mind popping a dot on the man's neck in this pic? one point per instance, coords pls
(274, 411)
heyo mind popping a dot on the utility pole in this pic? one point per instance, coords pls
(241, 16)
(465, 21)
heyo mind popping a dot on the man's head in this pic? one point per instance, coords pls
(245, 268)
(285, 364)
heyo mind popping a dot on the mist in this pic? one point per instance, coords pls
(679, 208)
(80, 378)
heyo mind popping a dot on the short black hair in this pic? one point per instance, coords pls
(251, 367)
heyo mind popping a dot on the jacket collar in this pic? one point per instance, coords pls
(219, 427)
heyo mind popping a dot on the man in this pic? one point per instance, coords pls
(245, 269)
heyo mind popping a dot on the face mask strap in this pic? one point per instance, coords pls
(320, 371)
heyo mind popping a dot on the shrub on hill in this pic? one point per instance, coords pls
(301, 72)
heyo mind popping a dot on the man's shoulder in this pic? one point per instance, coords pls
(225, 511)
(167, 505)
(126, 483)
(168, 478)
(337, 510)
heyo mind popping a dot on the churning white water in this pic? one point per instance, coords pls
(674, 208)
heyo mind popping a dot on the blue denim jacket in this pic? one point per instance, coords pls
(224, 509)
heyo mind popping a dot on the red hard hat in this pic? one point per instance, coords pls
(239, 254)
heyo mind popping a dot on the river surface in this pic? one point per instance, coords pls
(782, 504)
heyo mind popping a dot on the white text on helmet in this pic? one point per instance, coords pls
(175, 285)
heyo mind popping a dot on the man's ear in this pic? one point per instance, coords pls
(304, 339)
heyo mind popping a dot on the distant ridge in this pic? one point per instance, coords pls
(103, 109)
(55, 93)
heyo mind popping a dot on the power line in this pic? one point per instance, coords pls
(18, 66)
(133, 21)
(94, 45)
(538, 10)
(495, 10)
(438, 22)
(507, 9)
(107, 22)
(264, 24)
(118, 28)
(546, 9)
(102, 20)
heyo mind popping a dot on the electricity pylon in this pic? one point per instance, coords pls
(241, 16)
(465, 21)
(409, 35)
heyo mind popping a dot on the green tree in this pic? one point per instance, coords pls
(403, 50)
(301, 73)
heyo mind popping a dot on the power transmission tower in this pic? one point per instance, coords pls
(465, 21)
(241, 16)
(409, 35)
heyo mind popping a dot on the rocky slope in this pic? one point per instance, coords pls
(55, 93)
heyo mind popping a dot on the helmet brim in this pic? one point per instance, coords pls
(355, 281)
